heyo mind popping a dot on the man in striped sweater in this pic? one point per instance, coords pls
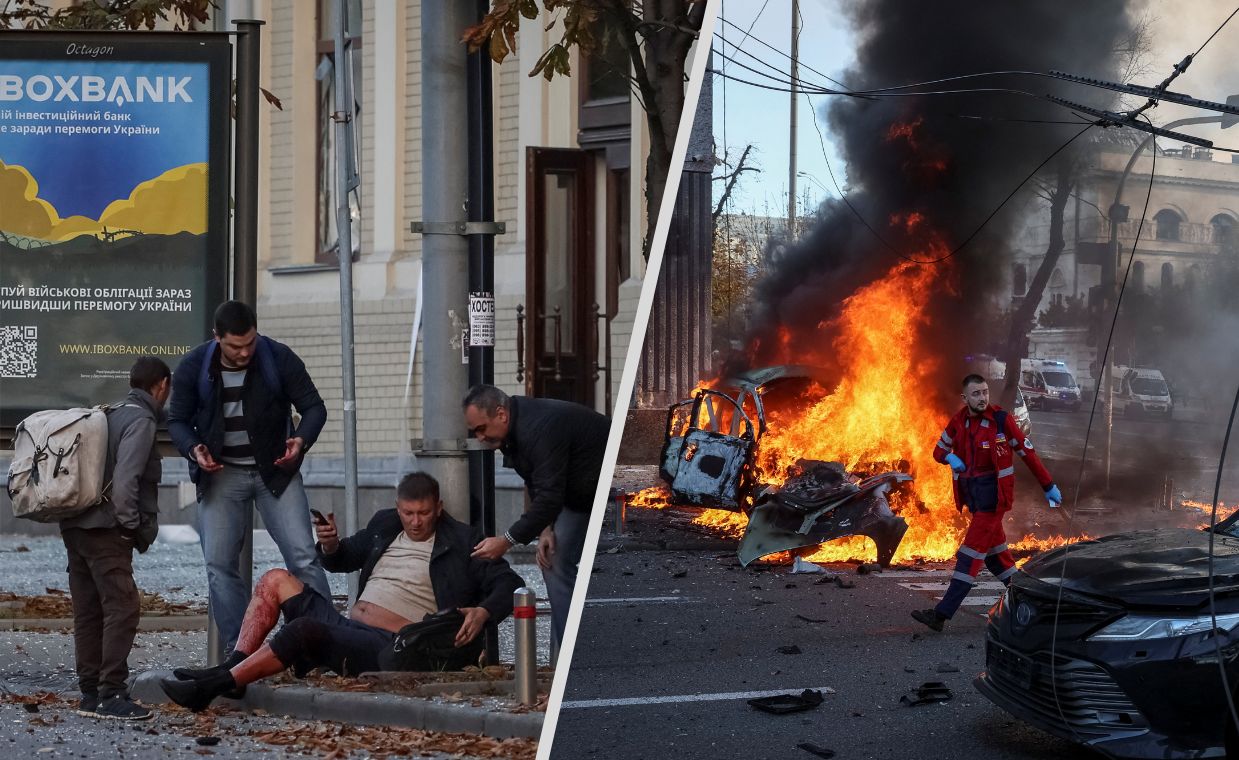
(231, 417)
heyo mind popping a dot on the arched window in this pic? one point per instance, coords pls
(1019, 280)
(1137, 276)
(1167, 224)
(1167, 276)
(1057, 280)
(1223, 231)
(1193, 277)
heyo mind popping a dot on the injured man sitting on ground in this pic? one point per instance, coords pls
(414, 560)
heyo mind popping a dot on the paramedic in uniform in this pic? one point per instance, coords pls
(980, 444)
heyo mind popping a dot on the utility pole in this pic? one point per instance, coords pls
(795, 94)
(482, 229)
(346, 182)
(445, 249)
(244, 241)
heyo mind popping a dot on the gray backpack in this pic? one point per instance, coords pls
(59, 457)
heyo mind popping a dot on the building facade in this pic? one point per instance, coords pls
(1192, 218)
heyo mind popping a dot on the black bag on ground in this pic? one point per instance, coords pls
(431, 645)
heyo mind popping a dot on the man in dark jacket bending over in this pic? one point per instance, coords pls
(556, 447)
(414, 561)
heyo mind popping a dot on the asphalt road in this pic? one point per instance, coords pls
(672, 644)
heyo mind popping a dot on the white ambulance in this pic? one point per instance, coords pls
(1142, 390)
(1049, 384)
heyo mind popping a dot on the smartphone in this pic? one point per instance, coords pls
(318, 517)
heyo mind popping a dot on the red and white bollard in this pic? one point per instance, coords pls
(525, 615)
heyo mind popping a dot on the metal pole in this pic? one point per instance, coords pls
(525, 615)
(620, 499)
(244, 242)
(346, 182)
(482, 286)
(445, 251)
(795, 94)
(1111, 288)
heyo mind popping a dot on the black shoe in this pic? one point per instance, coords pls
(120, 707)
(929, 617)
(193, 674)
(198, 694)
(88, 705)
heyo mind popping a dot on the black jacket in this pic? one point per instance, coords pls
(268, 420)
(458, 579)
(556, 447)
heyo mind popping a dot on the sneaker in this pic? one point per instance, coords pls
(929, 617)
(120, 707)
(87, 706)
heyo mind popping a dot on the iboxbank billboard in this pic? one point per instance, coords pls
(114, 189)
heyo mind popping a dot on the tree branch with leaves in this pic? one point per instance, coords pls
(656, 35)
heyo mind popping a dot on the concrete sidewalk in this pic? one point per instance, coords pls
(491, 711)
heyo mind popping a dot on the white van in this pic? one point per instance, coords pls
(1142, 390)
(1049, 384)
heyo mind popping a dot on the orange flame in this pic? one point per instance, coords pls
(880, 416)
(1205, 508)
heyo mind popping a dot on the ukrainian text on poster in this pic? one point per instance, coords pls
(106, 217)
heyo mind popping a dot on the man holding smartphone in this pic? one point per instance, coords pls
(414, 561)
(231, 417)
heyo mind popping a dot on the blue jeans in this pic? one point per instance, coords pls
(222, 520)
(570, 528)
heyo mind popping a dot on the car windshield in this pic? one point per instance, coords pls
(1059, 379)
(1149, 386)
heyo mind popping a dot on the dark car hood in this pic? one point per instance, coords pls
(1154, 568)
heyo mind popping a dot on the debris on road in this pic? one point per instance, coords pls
(790, 649)
(783, 704)
(865, 568)
(799, 565)
(811, 620)
(813, 749)
(927, 693)
(842, 582)
(946, 667)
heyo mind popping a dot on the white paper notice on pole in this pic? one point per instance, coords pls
(481, 319)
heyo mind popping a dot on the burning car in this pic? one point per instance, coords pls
(708, 460)
(1111, 643)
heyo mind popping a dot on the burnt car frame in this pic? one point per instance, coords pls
(1112, 643)
(707, 460)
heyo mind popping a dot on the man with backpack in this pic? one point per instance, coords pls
(979, 444)
(231, 418)
(100, 544)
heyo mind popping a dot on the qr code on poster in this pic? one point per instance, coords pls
(19, 351)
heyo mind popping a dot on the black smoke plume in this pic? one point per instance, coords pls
(918, 155)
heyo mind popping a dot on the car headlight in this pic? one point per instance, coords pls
(1142, 627)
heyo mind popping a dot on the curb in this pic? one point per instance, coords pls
(146, 623)
(364, 708)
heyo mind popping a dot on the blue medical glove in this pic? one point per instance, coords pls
(1054, 496)
(956, 463)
